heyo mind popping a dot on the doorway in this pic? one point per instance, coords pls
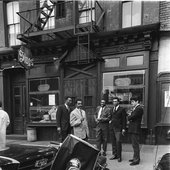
(19, 108)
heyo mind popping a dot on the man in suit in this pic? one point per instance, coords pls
(102, 117)
(135, 118)
(63, 118)
(118, 126)
(78, 121)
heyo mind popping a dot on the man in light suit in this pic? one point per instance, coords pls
(78, 121)
(63, 118)
(102, 117)
(118, 126)
(135, 118)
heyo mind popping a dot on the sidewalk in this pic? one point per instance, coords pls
(149, 154)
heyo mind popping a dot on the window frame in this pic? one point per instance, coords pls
(141, 17)
(123, 67)
(92, 14)
(60, 4)
(13, 37)
(49, 92)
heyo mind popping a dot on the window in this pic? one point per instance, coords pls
(112, 62)
(131, 13)
(51, 21)
(123, 85)
(60, 10)
(43, 96)
(86, 10)
(134, 60)
(13, 22)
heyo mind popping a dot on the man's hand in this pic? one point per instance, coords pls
(59, 130)
(123, 132)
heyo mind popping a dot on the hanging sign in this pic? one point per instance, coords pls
(25, 57)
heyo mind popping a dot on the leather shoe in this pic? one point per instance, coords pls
(131, 160)
(134, 163)
(113, 157)
(119, 160)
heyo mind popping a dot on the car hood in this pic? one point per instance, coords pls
(20, 152)
(27, 155)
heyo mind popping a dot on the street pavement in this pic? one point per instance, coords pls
(150, 154)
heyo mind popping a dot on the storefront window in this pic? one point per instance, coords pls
(124, 85)
(43, 99)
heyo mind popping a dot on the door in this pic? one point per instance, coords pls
(19, 108)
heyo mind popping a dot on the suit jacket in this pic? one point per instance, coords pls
(105, 117)
(135, 120)
(80, 128)
(63, 117)
(118, 118)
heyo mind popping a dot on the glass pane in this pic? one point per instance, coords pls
(17, 104)
(126, 16)
(110, 63)
(136, 13)
(16, 9)
(135, 60)
(123, 85)
(12, 35)
(10, 13)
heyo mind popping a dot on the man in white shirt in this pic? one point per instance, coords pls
(78, 121)
(4, 122)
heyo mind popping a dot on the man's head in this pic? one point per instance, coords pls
(115, 101)
(68, 100)
(79, 103)
(134, 100)
(102, 103)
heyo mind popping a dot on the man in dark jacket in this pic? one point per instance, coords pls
(102, 117)
(135, 118)
(118, 126)
(63, 118)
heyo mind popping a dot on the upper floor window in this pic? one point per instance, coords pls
(13, 22)
(86, 9)
(51, 21)
(60, 9)
(131, 13)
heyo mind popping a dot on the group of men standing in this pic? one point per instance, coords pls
(107, 119)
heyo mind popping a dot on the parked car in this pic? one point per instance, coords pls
(72, 154)
(26, 157)
(163, 163)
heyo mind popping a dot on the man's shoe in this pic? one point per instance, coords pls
(113, 157)
(134, 163)
(131, 160)
(119, 160)
(104, 153)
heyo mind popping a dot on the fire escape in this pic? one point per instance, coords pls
(88, 18)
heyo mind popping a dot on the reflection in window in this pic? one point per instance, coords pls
(43, 95)
(51, 21)
(135, 60)
(123, 85)
(131, 13)
(13, 22)
(110, 63)
(86, 11)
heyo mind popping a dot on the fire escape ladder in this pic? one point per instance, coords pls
(40, 22)
(83, 41)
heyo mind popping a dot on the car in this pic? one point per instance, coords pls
(27, 157)
(163, 163)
